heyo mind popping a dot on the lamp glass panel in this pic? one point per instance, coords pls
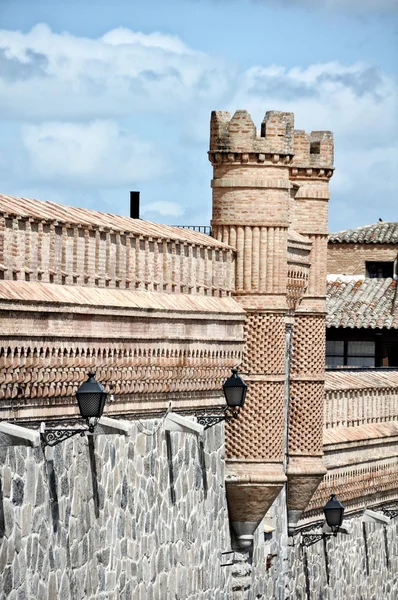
(334, 512)
(234, 395)
(91, 404)
(334, 517)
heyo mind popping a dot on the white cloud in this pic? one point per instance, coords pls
(49, 79)
(98, 153)
(359, 103)
(47, 75)
(356, 102)
(172, 209)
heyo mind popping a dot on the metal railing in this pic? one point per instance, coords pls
(200, 228)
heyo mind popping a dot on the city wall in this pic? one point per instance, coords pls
(97, 519)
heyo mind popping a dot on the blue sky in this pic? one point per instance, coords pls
(98, 98)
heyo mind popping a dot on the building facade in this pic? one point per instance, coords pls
(162, 314)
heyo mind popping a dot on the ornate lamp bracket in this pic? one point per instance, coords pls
(223, 414)
(52, 437)
(308, 539)
(390, 511)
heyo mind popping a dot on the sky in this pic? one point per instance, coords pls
(98, 98)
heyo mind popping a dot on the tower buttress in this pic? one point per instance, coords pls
(252, 212)
(270, 193)
(311, 170)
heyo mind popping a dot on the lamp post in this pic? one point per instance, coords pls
(91, 397)
(235, 394)
(334, 513)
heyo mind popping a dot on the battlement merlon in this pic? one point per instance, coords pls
(239, 134)
(276, 136)
(315, 149)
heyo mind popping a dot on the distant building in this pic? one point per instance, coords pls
(362, 320)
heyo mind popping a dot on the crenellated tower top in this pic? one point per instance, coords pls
(239, 134)
(236, 139)
(315, 149)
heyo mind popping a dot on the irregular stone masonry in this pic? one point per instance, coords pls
(138, 544)
(360, 565)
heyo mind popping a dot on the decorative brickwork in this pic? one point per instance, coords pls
(258, 434)
(102, 256)
(358, 486)
(264, 343)
(298, 267)
(309, 339)
(306, 417)
(352, 399)
(270, 195)
(56, 369)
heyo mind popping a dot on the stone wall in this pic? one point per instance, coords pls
(359, 566)
(137, 542)
(97, 519)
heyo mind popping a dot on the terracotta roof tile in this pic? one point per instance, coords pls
(339, 435)
(346, 379)
(22, 291)
(50, 211)
(378, 233)
(359, 302)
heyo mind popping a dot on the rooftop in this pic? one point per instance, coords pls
(62, 214)
(354, 379)
(359, 302)
(22, 292)
(377, 233)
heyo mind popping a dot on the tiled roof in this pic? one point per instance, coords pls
(294, 236)
(362, 433)
(35, 292)
(50, 211)
(359, 302)
(378, 233)
(360, 380)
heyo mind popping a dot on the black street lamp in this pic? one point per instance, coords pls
(235, 394)
(334, 513)
(91, 397)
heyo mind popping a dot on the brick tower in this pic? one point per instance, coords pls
(311, 170)
(257, 182)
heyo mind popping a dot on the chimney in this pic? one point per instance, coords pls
(134, 205)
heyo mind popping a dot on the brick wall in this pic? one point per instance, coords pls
(147, 349)
(349, 259)
(80, 254)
